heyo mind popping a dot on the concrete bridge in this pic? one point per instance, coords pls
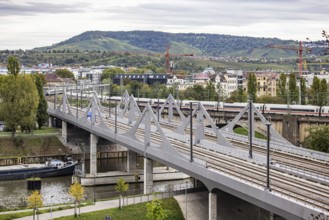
(220, 159)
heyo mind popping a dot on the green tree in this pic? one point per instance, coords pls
(121, 187)
(318, 138)
(293, 89)
(323, 91)
(211, 91)
(303, 90)
(252, 86)
(108, 73)
(315, 90)
(64, 73)
(42, 114)
(241, 95)
(34, 201)
(77, 192)
(20, 101)
(282, 91)
(155, 211)
(13, 65)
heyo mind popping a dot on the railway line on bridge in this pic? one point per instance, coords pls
(299, 188)
(294, 187)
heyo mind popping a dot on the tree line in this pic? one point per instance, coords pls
(23, 104)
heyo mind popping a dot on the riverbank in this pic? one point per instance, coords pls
(134, 208)
(39, 143)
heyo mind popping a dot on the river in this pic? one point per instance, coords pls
(54, 191)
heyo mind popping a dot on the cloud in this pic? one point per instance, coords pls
(224, 12)
(10, 8)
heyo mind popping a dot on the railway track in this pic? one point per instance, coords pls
(304, 191)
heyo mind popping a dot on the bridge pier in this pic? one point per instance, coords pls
(50, 122)
(64, 131)
(131, 160)
(148, 175)
(212, 206)
(93, 154)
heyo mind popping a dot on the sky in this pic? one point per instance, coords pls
(27, 24)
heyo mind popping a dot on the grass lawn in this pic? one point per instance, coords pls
(41, 142)
(244, 131)
(132, 212)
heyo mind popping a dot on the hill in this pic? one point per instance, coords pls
(157, 42)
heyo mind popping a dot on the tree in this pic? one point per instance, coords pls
(108, 73)
(42, 114)
(121, 187)
(315, 90)
(34, 201)
(293, 89)
(241, 96)
(77, 192)
(303, 90)
(252, 86)
(323, 90)
(155, 211)
(13, 65)
(318, 138)
(211, 91)
(281, 91)
(64, 73)
(19, 102)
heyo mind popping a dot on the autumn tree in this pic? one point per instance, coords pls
(121, 187)
(13, 65)
(252, 86)
(155, 211)
(42, 114)
(34, 201)
(77, 192)
(19, 102)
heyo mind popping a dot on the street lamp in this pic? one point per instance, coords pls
(268, 124)
(51, 208)
(94, 189)
(185, 200)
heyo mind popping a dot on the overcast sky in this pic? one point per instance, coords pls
(26, 24)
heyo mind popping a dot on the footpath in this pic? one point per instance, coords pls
(195, 206)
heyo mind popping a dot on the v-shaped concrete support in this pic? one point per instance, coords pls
(171, 104)
(93, 110)
(202, 114)
(64, 107)
(274, 134)
(150, 120)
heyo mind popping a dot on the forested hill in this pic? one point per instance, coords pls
(152, 41)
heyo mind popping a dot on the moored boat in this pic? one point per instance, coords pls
(52, 168)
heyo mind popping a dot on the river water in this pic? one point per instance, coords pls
(55, 190)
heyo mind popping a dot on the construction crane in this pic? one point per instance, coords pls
(299, 51)
(168, 65)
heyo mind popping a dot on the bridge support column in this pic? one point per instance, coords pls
(64, 131)
(148, 175)
(93, 154)
(212, 206)
(131, 160)
(271, 216)
(50, 122)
